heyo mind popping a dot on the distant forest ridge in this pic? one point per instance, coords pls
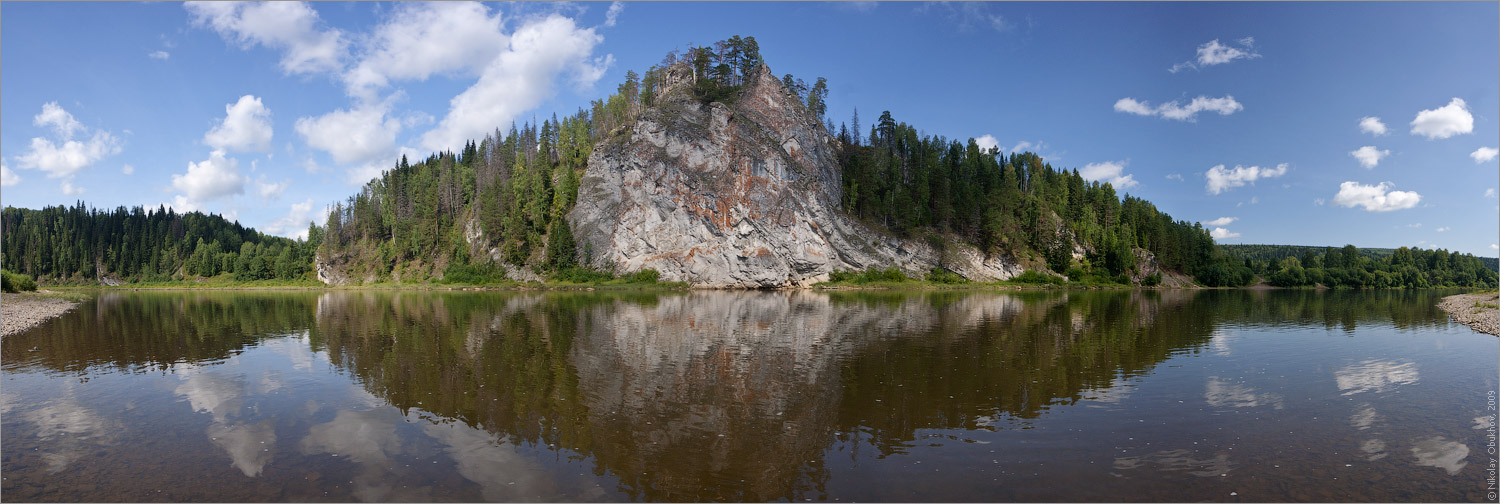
(1268, 252)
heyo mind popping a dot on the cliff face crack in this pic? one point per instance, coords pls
(741, 195)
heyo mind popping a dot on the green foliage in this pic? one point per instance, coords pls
(1151, 280)
(1354, 268)
(1033, 278)
(474, 274)
(581, 275)
(83, 245)
(15, 282)
(943, 276)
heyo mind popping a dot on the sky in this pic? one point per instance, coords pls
(1372, 124)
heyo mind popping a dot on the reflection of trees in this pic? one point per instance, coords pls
(738, 395)
(157, 329)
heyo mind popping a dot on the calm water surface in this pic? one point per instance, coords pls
(748, 396)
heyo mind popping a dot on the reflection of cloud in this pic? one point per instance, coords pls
(70, 430)
(1484, 422)
(1375, 376)
(367, 438)
(1441, 453)
(1364, 418)
(1220, 343)
(504, 474)
(1179, 460)
(212, 393)
(1115, 394)
(1221, 393)
(271, 381)
(248, 445)
(1375, 448)
(295, 349)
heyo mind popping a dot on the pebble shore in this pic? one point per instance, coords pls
(1484, 318)
(19, 312)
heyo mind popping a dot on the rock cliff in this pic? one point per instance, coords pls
(737, 195)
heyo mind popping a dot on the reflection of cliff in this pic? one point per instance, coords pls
(155, 330)
(674, 395)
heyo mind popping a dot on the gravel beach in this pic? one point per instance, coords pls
(19, 312)
(1484, 317)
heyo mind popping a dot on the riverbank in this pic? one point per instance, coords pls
(19, 312)
(1480, 311)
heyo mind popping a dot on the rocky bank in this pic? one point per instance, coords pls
(19, 312)
(740, 195)
(1477, 311)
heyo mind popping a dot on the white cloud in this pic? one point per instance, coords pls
(161, 55)
(987, 142)
(214, 178)
(1373, 126)
(1221, 179)
(1484, 154)
(1220, 234)
(615, 8)
(1221, 221)
(1175, 176)
(1109, 171)
(1369, 156)
(65, 160)
(1489, 193)
(294, 223)
(1443, 122)
(419, 40)
(1494, 246)
(246, 126)
(1214, 53)
(520, 78)
(1173, 110)
(8, 178)
(270, 190)
(127, 169)
(1376, 198)
(1442, 229)
(59, 120)
(290, 27)
(355, 135)
(69, 189)
(1319, 201)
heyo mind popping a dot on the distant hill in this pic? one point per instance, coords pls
(1269, 252)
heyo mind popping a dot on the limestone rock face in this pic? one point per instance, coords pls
(741, 195)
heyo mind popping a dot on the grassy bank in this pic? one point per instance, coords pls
(894, 278)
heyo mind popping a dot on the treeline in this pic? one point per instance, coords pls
(1266, 253)
(1354, 268)
(85, 245)
(922, 185)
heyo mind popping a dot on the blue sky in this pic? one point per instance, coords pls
(1295, 123)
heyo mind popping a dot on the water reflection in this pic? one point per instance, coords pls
(745, 396)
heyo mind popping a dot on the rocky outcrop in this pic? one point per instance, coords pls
(737, 195)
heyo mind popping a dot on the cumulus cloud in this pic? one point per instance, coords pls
(1175, 176)
(1443, 122)
(1173, 110)
(294, 224)
(356, 135)
(1494, 246)
(161, 55)
(1369, 156)
(61, 122)
(246, 126)
(1442, 229)
(1221, 179)
(270, 190)
(69, 189)
(1373, 126)
(1221, 221)
(66, 156)
(520, 78)
(8, 178)
(127, 169)
(1214, 53)
(1484, 154)
(1376, 198)
(422, 39)
(293, 28)
(1109, 171)
(1220, 233)
(615, 8)
(1489, 193)
(987, 142)
(214, 178)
